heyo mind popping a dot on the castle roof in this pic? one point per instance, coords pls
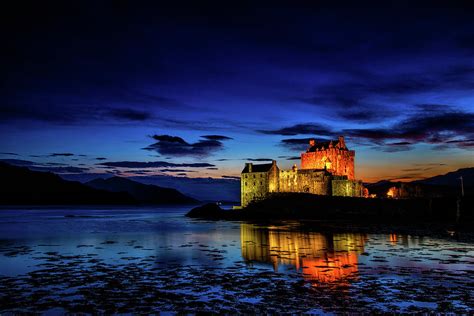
(336, 143)
(258, 168)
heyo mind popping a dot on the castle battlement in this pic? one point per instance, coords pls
(327, 168)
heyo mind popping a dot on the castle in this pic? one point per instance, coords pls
(327, 168)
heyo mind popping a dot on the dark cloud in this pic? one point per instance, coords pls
(18, 162)
(465, 143)
(354, 94)
(216, 137)
(47, 167)
(301, 129)
(257, 159)
(231, 177)
(417, 169)
(399, 144)
(66, 169)
(176, 146)
(433, 124)
(365, 115)
(212, 168)
(429, 164)
(69, 113)
(9, 154)
(100, 158)
(297, 144)
(444, 129)
(396, 147)
(61, 154)
(130, 114)
(176, 170)
(153, 164)
(290, 157)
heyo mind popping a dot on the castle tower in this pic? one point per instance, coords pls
(333, 156)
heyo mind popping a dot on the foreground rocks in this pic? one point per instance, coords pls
(208, 211)
(76, 283)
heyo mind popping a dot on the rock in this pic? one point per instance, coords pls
(209, 210)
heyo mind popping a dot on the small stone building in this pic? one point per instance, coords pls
(327, 169)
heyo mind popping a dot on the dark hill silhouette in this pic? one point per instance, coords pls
(452, 178)
(21, 186)
(442, 185)
(144, 193)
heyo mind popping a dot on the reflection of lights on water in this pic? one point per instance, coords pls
(322, 258)
(333, 268)
(393, 238)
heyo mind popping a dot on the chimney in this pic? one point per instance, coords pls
(312, 142)
(274, 162)
(249, 166)
(342, 144)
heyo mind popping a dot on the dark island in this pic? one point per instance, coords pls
(352, 213)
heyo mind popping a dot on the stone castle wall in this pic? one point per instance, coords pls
(340, 162)
(254, 186)
(306, 181)
(347, 188)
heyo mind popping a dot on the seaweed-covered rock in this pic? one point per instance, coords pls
(209, 211)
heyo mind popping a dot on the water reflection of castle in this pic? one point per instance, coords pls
(323, 258)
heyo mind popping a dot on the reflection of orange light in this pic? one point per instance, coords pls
(321, 258)
(393, 238)
(335, 268)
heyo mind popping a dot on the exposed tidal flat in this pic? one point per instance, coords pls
(145, 260)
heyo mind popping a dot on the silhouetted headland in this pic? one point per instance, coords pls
(21, 186)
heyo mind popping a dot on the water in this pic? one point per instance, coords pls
(129, 260)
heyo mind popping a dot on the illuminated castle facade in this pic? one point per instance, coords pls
(327, 168)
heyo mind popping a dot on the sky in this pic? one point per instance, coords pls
(198, 88)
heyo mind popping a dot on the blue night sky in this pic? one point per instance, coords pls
(196, 90)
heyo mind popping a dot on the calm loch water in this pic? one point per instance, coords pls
(145, 260)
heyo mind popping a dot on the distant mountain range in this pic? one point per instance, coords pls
(442, 185)
(203, 189)
(452, 178)
(21, 186)
(145, 193)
